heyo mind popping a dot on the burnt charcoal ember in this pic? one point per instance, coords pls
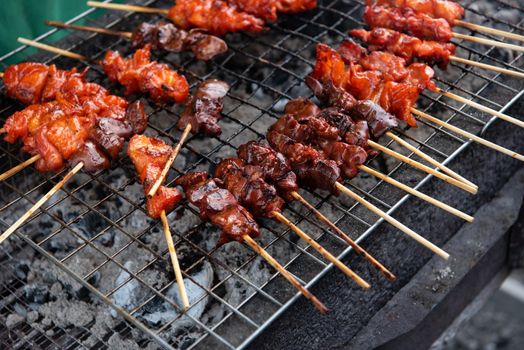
(275, 166)
(165, 36)
(378, 120)
(203, 109)
(219, 206)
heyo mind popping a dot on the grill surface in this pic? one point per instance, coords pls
(96, 231)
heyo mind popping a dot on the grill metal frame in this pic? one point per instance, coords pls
(239, 50)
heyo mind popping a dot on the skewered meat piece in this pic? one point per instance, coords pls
(395, 98)
(140, 74)
(310, 167)
(165, 36)
(378, 120)
(408, 47)
(449, 10)
(295, 6)
(247, 184)
(62, 130)
(149, 155)
(215, 16)
(264, 9)
(219, 206)
(408, 21)
(275, 166)
(203, 109)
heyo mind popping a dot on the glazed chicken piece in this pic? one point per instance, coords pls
(448, 10)
(165, 36)
(219, 206)
(264, 9)
(140, 74)
(407, 21)
(274, 165)
(247, 184)
(215, 16)
(295, 6)
(149, 156)
(408, 47)
(203, 109)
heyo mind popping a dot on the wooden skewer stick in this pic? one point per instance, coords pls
(424, 168)
(394, 222)
(416, 193)
(488, 42)
(469, 135)
(53, 49)
(169, 162)
(58, 24)
(388, 274)
(40, 202)
(487, 67)
(330, 257)
(483, 108)
(287, 275)
(174, 260)
(429, 159)
(489, 30)
(130, 8)
(19, 167)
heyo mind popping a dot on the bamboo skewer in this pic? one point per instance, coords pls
(424, 168)
(169, 162)
(489, 30)
(40, 202)
(418, 194)
(174, 260)
(287, 275)
(388, 274)
(19, 167)
(424, 242)
(487, 67)
(469, 135)
(53, 49)
(58, 24)
(488, 42)
(482, 108)
(315, 245)
(125, 7)
(432, 161)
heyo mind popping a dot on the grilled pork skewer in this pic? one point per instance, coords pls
(149, 156)
(338, 137)
(383, 67)
(450, 11)
(220, 207)
(421, 25)
(277, 171)
(163, 36)
(246, 183)
(412, 48)
(136, 74)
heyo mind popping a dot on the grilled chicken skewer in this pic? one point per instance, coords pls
(421, 25)
(149, 156)
(220, 207)
(412, 48)
(136, 74)
(162, 36)
(450, 11)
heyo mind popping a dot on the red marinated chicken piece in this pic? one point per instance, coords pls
(408, 21)
(449, 10)
(295, 6)
(264, 9)
(408, 47)
(219, 206)
(140, 74)
(215, 16)
(149, 155)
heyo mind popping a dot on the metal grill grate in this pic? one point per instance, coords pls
(96, 230)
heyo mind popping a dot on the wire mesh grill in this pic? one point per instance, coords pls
(96, 231)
